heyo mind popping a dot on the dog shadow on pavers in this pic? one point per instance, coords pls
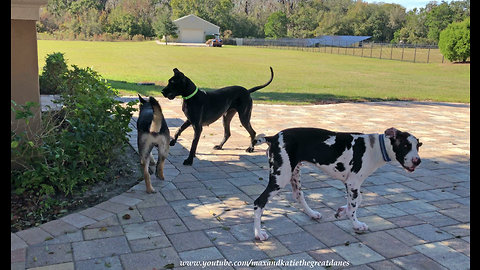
(218, 190)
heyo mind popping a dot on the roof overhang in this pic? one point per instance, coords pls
(26, 9)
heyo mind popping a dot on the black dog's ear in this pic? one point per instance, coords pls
(141, 99)
(177, 72)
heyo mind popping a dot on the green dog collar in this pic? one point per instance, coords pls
(192, 94)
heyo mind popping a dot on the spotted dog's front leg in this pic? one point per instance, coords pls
(354, 198)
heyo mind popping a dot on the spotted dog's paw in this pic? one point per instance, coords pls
(315, 215)
(341, 212)
(261, 235)
(360, 227)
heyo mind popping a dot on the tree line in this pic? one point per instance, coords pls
(140, 19)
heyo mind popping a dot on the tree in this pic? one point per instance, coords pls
(437, 19)
(165, 27)
(414, 29)
(454, 41)
(304, 19)
(276, 26)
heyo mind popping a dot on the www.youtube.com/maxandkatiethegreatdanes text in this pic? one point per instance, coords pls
(265, 263)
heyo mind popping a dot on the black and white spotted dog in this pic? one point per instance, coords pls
(349, 157)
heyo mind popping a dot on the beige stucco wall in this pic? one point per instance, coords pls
(24, 58)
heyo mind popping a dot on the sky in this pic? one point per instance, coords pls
(408, 4)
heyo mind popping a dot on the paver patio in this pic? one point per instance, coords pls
(204, 212)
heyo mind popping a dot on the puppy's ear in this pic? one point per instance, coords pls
(153, 101)
(391, 132)
(141, 99)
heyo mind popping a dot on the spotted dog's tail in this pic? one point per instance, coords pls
(253, 89)
(261, 138)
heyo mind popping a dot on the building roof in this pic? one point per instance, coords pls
(194, 22)
(338, 41)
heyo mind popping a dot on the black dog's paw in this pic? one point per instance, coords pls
(217, 147)
(249, 149)
(173, 142)
(188, 162)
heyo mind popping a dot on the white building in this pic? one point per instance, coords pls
(193, 29)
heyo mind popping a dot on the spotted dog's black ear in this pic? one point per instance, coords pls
(392, 132)
(141, 99)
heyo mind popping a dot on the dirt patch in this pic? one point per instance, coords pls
(28, 211)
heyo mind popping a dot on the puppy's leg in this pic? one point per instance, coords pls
(298, 193)
(160, 164)
(145, 152)
(179, 131)
(245, 116)
(146, 175)
(227, 118)
(152, 159)
(198, 131)
(354, 198)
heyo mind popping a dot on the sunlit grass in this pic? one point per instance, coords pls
(300, 76)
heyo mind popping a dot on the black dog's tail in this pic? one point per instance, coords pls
(157, 115)
(251, 90)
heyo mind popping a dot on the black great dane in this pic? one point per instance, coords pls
(203, 108)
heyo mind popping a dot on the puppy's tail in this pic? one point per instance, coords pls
(251, 90)
(260, 139)
(157, 115)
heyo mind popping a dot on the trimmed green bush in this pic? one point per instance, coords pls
(454, 41)
(52, 78)
(76, 144)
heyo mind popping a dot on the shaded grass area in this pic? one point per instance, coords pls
(132, 89)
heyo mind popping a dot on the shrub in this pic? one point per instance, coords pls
(454, 41)
(52, 79)
(76, 144)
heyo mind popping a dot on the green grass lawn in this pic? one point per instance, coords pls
(300, 77)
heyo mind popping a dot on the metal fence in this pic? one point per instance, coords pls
(415, 53)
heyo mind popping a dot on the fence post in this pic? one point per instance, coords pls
(371, 49)
(415, 53)
(428, 55)
(391, 52)
(381, 46)
(403, 49)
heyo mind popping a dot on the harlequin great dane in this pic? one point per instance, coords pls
(349, 157)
